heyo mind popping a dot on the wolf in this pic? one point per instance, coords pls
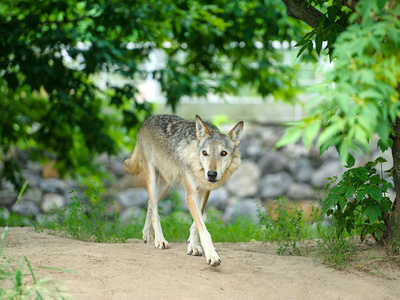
(194, 154)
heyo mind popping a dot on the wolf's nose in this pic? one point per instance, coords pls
(212, 174)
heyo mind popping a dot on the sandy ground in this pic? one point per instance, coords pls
(135, 270)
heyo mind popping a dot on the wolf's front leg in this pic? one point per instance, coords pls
(205, 237)
(194, 247)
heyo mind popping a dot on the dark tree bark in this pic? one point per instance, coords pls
(394, 221)
(300, 9)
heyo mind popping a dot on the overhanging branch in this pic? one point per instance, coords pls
(302, 10)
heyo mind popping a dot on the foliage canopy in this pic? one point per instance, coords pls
(360, 95)
(52, 51)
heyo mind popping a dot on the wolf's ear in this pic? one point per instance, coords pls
(201, 128)
(236, 133)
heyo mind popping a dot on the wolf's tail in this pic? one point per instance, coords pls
(132, 164)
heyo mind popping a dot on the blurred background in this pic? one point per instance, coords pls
(78, 78)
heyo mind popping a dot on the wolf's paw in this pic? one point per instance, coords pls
(213, 259)
(161, 244)
(194, 250)
(147, 235)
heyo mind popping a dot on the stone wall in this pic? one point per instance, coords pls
(292, 171)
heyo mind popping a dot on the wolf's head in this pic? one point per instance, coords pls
(216, 151)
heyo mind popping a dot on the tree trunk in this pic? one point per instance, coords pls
(394, 221)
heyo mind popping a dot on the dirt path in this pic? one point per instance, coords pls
(138, 271)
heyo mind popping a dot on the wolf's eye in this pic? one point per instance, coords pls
(204, 152)
(224, 153)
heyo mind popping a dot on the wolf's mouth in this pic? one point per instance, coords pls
(212, 180)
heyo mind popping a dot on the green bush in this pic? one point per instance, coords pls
(358, 202)
(286, 225)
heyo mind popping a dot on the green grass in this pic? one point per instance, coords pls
(97, 220)
(333, 249)
(286, 225)
(86, 221)
(15, 220)
(20, 282)
(100, 223)
(242, 230)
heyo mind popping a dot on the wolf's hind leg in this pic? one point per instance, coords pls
(157, 188)
(148, 227)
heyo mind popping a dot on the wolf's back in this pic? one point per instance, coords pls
(132, 164)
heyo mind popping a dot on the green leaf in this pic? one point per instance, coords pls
(350, 227)
(326, 137)
(342, 202)
(318, 43)
(360, 194)
(301, 50)
(350, 161)
(328, 203)
(291, 136)
(337, 190)
(375, 192)
(310, 133)
(332, 12)
(350, 191)
(361, 173)
(380, 160)
(371, 94)
(373, 212)
(310, 48)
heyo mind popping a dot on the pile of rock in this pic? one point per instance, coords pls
(265, 174)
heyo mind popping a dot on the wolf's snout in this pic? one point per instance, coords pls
(212, 175)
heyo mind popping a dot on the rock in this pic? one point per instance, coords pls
(49, 171)
(294, 151)
(218, 198)
(273, 162)
(300, 191)
(166, 206)
(32, 176)
(330, 154)
(136, 197)
(254, 149)
(301, 170)
(25, 208)
(8, 197)
(247, 208)
(275, 185)
(53, 186)
(51, 201)
(269, 136)
(33, 195)
(244, 182)
(327, 169)
(116, 167)
(4, 214)
(132, 214)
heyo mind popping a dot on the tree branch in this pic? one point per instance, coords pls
(300, 9)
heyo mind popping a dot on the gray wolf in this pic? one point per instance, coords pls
(194, 154)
